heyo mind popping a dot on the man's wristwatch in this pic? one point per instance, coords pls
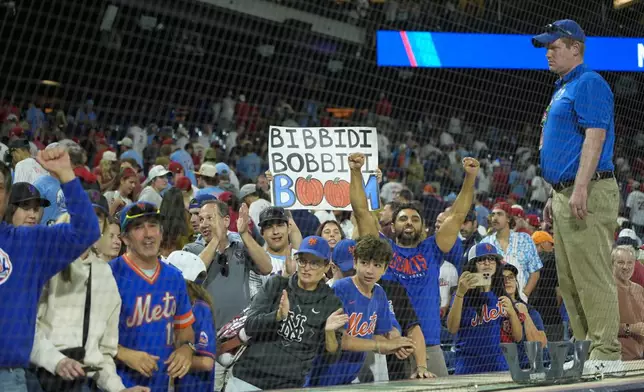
(627, 330)
(189, 344)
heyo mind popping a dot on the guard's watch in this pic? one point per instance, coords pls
(627, 330)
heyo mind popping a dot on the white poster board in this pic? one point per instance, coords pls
(311, 170)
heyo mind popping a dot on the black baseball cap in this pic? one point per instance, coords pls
(18, 144)
(98, 200)
(512, 269)
(272, 214)
(24, 191)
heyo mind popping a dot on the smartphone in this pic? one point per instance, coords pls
(482, 279)
(88, 369)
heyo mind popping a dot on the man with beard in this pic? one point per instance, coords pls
(470, 233)
(415, 263)
(275, 228)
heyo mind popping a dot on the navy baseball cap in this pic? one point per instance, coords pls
(483, 250)
(23, 191)
(565, 28)
(315, 245)
(343, 254)
(198, 200)
(137, 210)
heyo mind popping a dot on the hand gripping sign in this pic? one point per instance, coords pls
(310, 166)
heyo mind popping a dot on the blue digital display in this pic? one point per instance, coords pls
(497, 51)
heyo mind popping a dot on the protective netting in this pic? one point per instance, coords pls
(214, 76)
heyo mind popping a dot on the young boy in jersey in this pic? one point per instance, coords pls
(201, 376)
(155, 326)
(366, 304)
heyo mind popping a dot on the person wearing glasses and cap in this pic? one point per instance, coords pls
(290, 321)
(29, 257)
(479, 307)
(156, 339)
(61, 319)
(577, 143)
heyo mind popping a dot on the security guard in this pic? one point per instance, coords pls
(577, 140)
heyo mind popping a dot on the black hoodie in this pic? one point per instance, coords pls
(281, 352)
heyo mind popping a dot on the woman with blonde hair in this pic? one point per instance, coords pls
(107, 171)
(69, 355)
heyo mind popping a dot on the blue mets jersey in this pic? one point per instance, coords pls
(478, 342)
(152, 307)
(367, 317)
(205, 343)
(418, 270)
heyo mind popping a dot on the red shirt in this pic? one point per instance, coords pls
(638, 274)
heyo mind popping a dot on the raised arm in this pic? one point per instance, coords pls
(61, 244)
(448, 233)
(258, 254)
(359, 203)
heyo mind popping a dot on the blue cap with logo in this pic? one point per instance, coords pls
(136, 210)
(565, 28)
(343, 254)
(198, 200)
(316, 246)
(482, 250)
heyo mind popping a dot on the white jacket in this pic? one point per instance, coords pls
(60, 321)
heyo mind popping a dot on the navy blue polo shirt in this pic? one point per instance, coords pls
(582, 100)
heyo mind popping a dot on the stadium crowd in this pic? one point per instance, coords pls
(156, 261)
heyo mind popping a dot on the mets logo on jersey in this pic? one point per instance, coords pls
(203, 339)
(5, 266)
(488, 315)
(357, 327)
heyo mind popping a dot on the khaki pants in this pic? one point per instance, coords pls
(584, 267)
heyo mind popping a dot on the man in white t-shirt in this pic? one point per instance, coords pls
(635, 208)
(276, 231)
(448, 279)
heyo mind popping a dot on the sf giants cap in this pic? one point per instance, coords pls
(483, 250)
(316, 246)
(23, 191)
(136, 210)
(560, 29)
(343, 255)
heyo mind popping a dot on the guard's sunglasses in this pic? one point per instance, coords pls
(553, 28)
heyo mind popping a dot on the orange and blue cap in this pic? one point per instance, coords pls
(343, 254)
(316, 246)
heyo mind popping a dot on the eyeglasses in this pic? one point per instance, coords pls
(222, 260)
(509, 278)
(486, 260)
(314, 264)
(553, 28)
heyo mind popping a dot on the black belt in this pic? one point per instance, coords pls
(560, 186)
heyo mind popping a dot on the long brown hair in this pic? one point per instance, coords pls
(198, 293)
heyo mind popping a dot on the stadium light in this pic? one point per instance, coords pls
(624, 3)
(52, 83)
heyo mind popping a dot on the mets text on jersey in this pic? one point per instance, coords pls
(359, 328)
(414, 265)
(488, 315)
(144, 313)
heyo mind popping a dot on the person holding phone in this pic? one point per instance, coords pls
(478, 310)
